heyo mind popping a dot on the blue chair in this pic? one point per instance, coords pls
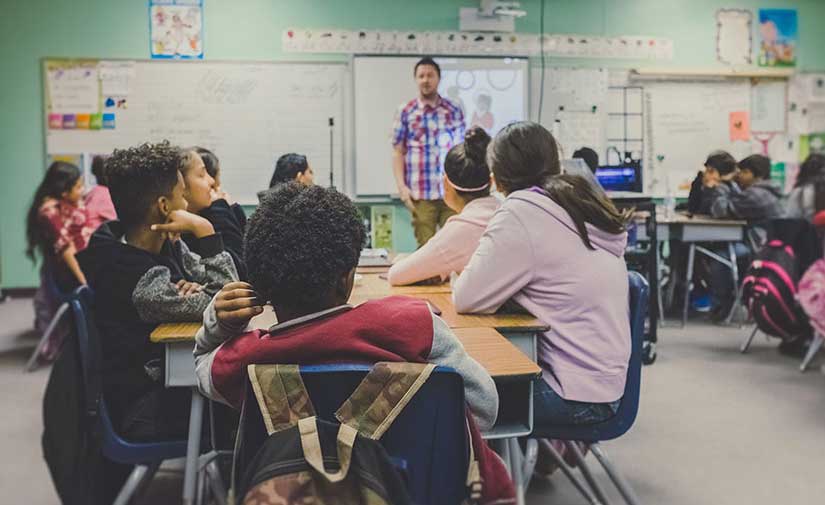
(619, 424)
(427, 441)
(146, 457)
(63, 298)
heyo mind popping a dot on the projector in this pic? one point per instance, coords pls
(490, 16)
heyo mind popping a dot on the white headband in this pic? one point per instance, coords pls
(466, 190)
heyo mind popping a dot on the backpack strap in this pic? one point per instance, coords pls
(311, 445)
(281, 394)
(382, 395)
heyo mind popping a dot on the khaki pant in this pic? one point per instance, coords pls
(427, 217)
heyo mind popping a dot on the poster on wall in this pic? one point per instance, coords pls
(733, 36)
(778, 37)
(176, 29)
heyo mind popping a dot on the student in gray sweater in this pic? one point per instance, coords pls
(752, 195)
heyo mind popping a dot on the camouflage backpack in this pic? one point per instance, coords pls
(309, 461)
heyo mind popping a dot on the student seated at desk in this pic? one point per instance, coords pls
(99, 206)
(292, 167)
(751, 195)
(57, 228)
(213, 168)
(556, 247)
(802, 202)
(467, 192)
(720, 168)
(142, 275)
(207, 200)
(302, 246)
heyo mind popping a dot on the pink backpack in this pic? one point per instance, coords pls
(811, 294)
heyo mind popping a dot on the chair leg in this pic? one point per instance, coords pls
(585, 470)
(568, 472)
(216, 482)
(621, 484)
(747, 343)
(517, 469)
(531, 454)
(31, 365)
(734, 270)
(688, 281)
(816, 344)
(147, 478)
(132, 484)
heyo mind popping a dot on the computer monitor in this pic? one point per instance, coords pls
(626, 178)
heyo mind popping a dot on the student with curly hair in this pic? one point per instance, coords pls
(302, 248)
(142, 275)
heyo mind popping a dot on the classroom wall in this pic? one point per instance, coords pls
(251, 30)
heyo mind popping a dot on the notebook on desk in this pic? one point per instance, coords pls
(374, 258)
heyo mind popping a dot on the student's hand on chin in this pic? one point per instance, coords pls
(236, 304)
(181, 221)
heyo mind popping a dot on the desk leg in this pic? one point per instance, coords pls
(734, 270)
(659, 299)
(688, 280)
(193, 448)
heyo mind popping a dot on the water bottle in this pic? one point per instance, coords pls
(670, 204)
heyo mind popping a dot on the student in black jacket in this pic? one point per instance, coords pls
(207, 200)
(720, 169)
(143, 275)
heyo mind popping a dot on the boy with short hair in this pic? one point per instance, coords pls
(142, 275)
(720, 169)
(302, 247)
(749, 195)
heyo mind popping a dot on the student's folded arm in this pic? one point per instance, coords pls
(479, 389)
(209, 264)
(722, 201)
(208, 340)
(425, 263)
(157, 300)
(501, 266)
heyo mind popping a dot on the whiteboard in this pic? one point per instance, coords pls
(247, 113)
(383, 84)
(684, 122)
(577, 99)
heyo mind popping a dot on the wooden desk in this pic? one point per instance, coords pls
(496, 354)
(520, 323)
(374, 285)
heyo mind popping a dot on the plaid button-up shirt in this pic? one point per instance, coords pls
(427, 132)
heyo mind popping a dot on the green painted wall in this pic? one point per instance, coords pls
(251, 30)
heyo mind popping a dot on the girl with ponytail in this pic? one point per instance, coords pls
(467, 184)
(556, 247)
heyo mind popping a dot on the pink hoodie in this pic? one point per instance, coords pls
(99, 206)
(532, 253)
(450, 249)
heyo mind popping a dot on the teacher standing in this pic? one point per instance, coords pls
(425, 129)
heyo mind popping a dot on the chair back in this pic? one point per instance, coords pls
(618, 425)
(115, 448)
(428, 440)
